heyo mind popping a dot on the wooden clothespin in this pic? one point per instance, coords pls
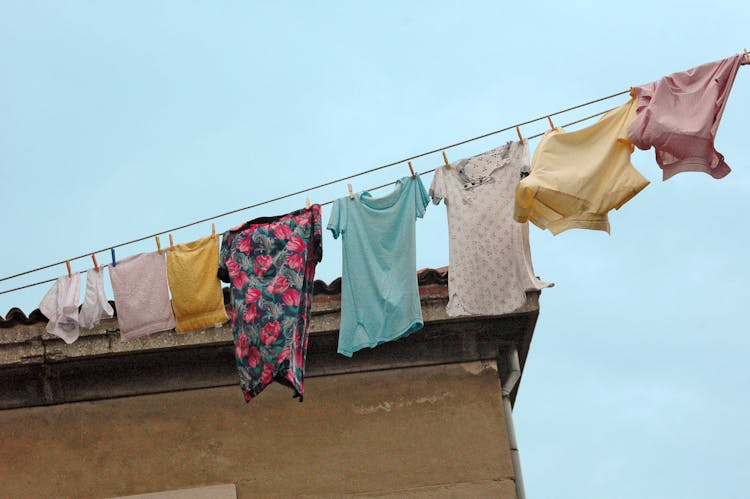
(551, 125)
(351, 193)
(158, 244)
(171, 242)
(96, 265)
(213, 230)
(411, 169)
(114, 262)
(307, 203)
(520, 137)
(747, 57)
(445, 159)
(67, 264)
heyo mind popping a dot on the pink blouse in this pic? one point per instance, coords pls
(679, 115)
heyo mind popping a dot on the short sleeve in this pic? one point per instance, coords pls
(421, 198)
(437, 188)
(337, 222)
(226, 242)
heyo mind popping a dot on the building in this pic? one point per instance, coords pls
(424, 416)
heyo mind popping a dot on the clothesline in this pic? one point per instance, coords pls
(321, 204)
(574, 180)
(308, 189)
(581, 120)
(745, 60)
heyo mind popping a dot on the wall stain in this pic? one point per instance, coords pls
(388, 405)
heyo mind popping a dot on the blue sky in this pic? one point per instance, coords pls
(122, 119)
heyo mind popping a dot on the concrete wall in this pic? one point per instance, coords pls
(414, 432)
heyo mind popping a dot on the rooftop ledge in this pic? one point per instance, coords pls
(37, 368)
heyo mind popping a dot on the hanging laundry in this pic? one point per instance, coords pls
(95, 305)
(680, 114)
(139, 284)
(379, 292)
(490, 262)
(60, 307)
(196, 292)
(270, 265)
(578, 177)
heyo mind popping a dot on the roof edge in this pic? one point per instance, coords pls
(425, 277)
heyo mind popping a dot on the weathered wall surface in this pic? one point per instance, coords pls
(415, 432)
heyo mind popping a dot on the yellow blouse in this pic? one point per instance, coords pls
(577, 177)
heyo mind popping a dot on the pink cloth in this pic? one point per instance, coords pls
(142, 301)
(679, 115)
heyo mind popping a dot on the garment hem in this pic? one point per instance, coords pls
(252, 392)
(95, 322)
(415, 326)
(148, 329)
(67, 339)
(695, 165)
(567, 224)
(454, 309)
(201, 321)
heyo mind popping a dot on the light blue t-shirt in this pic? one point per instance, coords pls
(379, 291)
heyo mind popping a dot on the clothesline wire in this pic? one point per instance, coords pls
(745, 61)
(525, 138)
(327, 202)
(308, 189)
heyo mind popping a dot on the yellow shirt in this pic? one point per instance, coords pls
(577, 177)
(197, 300)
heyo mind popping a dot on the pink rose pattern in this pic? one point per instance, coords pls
(240, 280)
(278, 285)
(283, 232)
(242, 347)
(295, 261)
(290, 297)
(233, 268)
(262, 264)
(270, 333)
(251, 313)
(245, 246)
(253, 356)
(296, 244)
(271, 267)
(252, 295)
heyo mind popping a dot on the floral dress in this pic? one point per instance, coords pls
(270, 265)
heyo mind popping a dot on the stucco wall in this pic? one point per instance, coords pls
(415, 432)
